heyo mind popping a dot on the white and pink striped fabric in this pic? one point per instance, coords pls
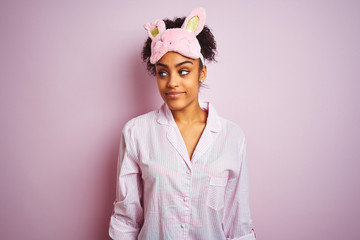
(163, 194)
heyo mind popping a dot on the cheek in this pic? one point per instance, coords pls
(161, 85)
(192, 88)
(194, 83)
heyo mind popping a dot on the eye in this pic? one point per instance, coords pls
(183, 72)
(162, 73)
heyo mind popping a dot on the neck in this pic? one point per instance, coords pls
(190, 114)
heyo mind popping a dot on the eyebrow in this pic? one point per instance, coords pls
(177, 65)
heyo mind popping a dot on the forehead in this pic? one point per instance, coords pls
(173, 58)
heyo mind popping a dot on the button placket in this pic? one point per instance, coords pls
(186, 197)
(186, 200)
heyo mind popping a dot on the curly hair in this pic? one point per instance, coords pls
(205, 38)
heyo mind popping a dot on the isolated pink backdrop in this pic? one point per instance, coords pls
(71, 76)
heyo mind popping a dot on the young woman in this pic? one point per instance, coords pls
(182, 170)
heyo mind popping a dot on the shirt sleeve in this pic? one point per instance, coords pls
(237, 222)
(127, 217)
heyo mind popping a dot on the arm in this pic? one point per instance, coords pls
(237, 222)
(127, 217)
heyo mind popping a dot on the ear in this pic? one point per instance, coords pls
(203, 74)
(195, 21)
(155, 28)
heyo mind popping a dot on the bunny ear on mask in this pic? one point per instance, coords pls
(155, 28)
(195, 22)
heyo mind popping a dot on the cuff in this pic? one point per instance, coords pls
(250, 236)
(119, 230)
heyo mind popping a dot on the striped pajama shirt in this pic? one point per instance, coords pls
(163, 194)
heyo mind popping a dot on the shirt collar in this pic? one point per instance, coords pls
(212, 123)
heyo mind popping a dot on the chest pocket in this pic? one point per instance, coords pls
(216, 192)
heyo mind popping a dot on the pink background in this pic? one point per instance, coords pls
(71, 75)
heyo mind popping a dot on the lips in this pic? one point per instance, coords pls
(170, 93)
(173, 94)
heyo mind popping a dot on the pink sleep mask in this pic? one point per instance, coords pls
(181, 40)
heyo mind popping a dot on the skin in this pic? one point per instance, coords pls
(175, 72)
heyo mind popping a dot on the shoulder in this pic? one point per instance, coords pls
(232, 130)
(139, 122)
(229, 129)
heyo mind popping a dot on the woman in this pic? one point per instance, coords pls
(182, 171)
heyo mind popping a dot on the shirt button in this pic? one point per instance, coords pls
(184, 199)
(187, 172)
(182, 225)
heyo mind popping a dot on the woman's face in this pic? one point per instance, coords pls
(178, 80)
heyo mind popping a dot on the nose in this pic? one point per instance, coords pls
(173, 81)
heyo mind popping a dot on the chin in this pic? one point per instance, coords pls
(175, 105)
